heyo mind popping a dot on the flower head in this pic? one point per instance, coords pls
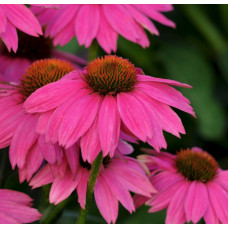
(16, 208)
(103, 22)
(18, 129)
(17, 16)
(118, 176)
(109, 98)
(190, 184)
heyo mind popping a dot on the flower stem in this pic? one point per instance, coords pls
(93, 49)
(206, 27)
(95, 168)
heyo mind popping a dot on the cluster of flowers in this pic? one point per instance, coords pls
(58, 113)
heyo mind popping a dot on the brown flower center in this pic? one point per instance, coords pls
(111, 75)
(43, 72)
(199, 166)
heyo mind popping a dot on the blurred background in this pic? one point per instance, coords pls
(196, 53)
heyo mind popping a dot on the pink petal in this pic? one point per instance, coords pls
(2, 21)
(141, 19)
(106, 36)
(22, 18)
(210, 216)
(175, 212)
(43, 121)
(196, 201)
(21, 213)
(62, 18)
(24, 137)
(152, 13)
(72, 155)
(121, 21)
(109, 125)
(146, 78)
(82, 187)
(62, 188)
(124, 147)
(87, 24)
(14, 196)
(134, 116)
(219, 201)
(139, 200)
(75, 122)
(10, 37)
(43, 177)
(90, 142)
(222, 179)
(167, 95)
(7, 219)
(51, 95)
(106, 200)
(119, 190)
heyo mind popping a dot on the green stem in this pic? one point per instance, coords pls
(206, 27)
(95, 168)
(93, 49)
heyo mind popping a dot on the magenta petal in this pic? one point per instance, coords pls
(119, 190)
(87, 23)
(82, 187)
(109, 125)
(219, 201)
(134, 116)
(43, 177)
(72, 155)
(124, 147)
(107, 36)
(2, 21)
(62, 188)
(146, 78)
(121, 21)
(7, 219)
(142, 19)
(51, 95)
(139, 200)
(196, 201)
(222, 179)
(90, 142)
(175, 212)
(106, 200)
(24, 137)
(75, 122)
(42, 122)
(21, 17)
(10, 37)
(210, 216)
(21, 213)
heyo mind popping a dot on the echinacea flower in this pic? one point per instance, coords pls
(118, 176)
(190, 184)
(18, 129)
(108, 97)
(103, 22)
(17, 16)
(14, 65)
(15, 207)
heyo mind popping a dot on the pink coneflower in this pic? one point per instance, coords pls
(109, 96)
(17, 16)
(14, 65)
(118, 176)
(102, 22)
(190, 184)
(15, 207)
(18, 129)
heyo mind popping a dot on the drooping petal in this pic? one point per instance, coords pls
(175, 212)
(106, 200)
(106, 36)
(196, 201)
(87, 23)
(109, 125)
(2, 21)
(23, 139)
(21, 17)
(63, 187)
(75, 122)
(134, 116)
